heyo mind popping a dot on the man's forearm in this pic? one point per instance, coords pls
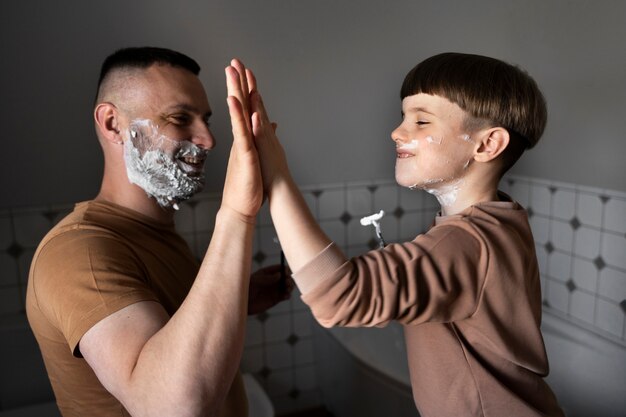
(187, 367)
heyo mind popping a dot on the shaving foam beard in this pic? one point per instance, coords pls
(157, 172)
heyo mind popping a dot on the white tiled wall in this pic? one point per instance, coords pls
(580, 239)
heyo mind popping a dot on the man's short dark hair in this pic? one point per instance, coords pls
(143, 57)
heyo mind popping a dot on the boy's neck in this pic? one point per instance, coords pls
(459, 195)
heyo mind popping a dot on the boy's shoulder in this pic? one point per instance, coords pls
(503, 219)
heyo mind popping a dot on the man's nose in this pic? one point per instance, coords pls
(203, 137)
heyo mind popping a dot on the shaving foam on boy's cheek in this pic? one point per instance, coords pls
(434, 140)
(413, 144)
(157, 164)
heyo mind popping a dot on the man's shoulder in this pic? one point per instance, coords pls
(90, 220)
(83, 236)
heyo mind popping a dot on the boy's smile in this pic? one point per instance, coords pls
(433, 149)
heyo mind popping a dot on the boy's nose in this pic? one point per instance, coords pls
(397, 135)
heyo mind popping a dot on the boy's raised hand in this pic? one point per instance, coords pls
(271, 153)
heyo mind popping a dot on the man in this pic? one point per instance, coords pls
(127, 321)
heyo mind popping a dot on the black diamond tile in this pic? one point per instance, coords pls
(599, 263)
(398, 212)
(546, 303)
(345, 217)
(549, 247)
(623, 306)
(552, 189)
(259, 257)
(317, 193)
(294, 393)
(571, 285)
(372, 188)
(604, 199)
(530, 212)
(372, 244)
(292, 339)
(15, 250)
(511, 182)
(262, 317)
(265, 372)
(50, 214)
(575, 223)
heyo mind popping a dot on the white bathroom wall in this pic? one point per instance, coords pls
(330, 71)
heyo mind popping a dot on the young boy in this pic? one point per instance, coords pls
(468, 290)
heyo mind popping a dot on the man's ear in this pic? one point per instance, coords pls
(492, 143)
(107, 119)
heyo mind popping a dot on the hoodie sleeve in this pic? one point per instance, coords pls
(437, 277)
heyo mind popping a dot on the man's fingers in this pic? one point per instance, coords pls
(241, 133)
(243, 84)
(241, 69)
(232, 83)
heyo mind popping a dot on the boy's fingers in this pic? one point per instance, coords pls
(256, 125)
(259, 107)
(252, 86)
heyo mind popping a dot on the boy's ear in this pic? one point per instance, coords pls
(107, 118)
(492, 143)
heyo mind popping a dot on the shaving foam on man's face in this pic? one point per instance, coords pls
(166, 169)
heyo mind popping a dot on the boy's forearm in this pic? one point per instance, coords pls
(301, 238)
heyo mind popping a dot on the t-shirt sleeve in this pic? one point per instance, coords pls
(437, 277)
(81, 277)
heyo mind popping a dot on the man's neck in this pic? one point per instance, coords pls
(136, 199)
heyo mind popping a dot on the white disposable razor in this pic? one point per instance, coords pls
(373, 220)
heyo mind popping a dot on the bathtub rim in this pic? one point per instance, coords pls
(384, 377)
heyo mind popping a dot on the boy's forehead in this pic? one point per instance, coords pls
(428, 103)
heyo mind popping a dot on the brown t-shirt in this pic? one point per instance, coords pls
(468, 294)
(96, 261)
